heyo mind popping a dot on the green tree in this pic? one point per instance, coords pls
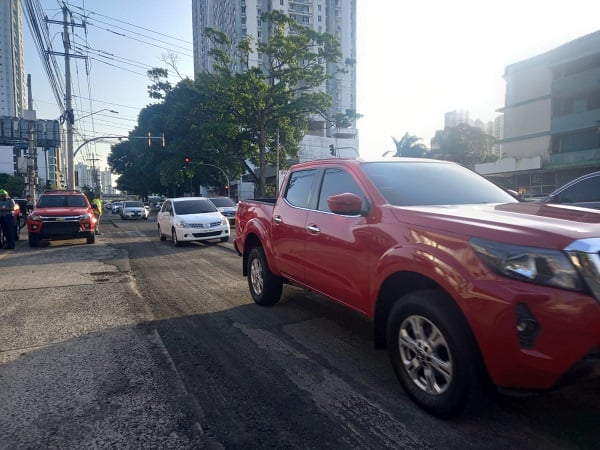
(408, 145)
(14, 185)
(258, 107)
(464, 144)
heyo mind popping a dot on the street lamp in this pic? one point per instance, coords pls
(96, 112)
(70, 121)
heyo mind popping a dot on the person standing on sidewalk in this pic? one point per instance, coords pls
(97, 206)
(7, 219)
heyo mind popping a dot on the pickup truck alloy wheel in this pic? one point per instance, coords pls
(265, 287)
(434, 354)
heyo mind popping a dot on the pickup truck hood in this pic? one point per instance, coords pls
(534, 224)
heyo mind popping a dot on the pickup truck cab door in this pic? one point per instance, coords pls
(337, 249)
(288, 225)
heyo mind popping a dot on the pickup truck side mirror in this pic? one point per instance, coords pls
(346, 203)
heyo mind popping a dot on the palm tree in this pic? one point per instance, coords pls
(409, 145)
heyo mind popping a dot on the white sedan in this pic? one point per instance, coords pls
(191, 219)
(134, 210)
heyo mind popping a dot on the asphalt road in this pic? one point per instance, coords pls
(133, 343)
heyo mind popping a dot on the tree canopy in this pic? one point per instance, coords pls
(235, 116)
(408, 145)
(463, 144)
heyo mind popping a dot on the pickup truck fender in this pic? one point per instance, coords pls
(256, 234)
(444, 265)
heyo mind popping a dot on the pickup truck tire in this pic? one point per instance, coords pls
(434, 355)
(265, 287)
(34, 241)
(91, 238)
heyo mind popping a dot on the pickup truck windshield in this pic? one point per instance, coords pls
(432, 183)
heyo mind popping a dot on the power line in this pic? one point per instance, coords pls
(130, 24)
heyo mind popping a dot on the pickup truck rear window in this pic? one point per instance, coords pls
(432, 183)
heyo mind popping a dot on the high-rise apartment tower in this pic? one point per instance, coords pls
(12, 66)
(240, 18)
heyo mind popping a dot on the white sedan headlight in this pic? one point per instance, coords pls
(180, 223)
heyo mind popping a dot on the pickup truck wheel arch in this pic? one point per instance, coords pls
(265, 287)
(435, 356)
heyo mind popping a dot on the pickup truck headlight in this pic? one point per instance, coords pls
(35, 217)
(535, 265)
(85, 216)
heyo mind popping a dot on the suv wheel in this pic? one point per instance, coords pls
(34, 241)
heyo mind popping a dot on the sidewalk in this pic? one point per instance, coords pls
(78, 369)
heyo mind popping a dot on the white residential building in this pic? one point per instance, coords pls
(239, 18)
(12, 66)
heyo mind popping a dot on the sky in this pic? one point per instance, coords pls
(416, 60)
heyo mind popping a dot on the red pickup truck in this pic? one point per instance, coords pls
(467, 287)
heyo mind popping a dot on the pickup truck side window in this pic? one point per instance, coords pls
(337, 181)
(299, 188)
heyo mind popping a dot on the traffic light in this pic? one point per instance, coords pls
(164, 143)
(187, 159)
(331, 149)
(149, 139)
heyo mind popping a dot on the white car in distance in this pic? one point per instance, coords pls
(186, 219)
(134, 210)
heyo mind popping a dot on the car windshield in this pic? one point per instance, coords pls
(432, 183)
(61, 201)
(222, 202)
(184, 207)
(133, 205)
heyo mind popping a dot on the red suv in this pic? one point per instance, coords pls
(61, 215)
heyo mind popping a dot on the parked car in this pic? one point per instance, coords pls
(134, 210)
(115, 207)
(583, 191)
(466, 286)
(64, 214)
(191, 219)
(226, 206)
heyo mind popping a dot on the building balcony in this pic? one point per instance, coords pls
(575, 122)
(583, 158)
(576, 84)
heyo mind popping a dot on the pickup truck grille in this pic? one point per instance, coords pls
(585, 255)
(61, 219)
(60, 228)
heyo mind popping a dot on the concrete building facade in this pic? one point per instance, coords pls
(551, 119)
(12, 65)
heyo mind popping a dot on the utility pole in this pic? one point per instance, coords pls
(32, 148)
(95, 184)
(68, 114)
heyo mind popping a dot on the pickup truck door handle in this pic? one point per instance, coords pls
(277, 219)
(314, 229)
